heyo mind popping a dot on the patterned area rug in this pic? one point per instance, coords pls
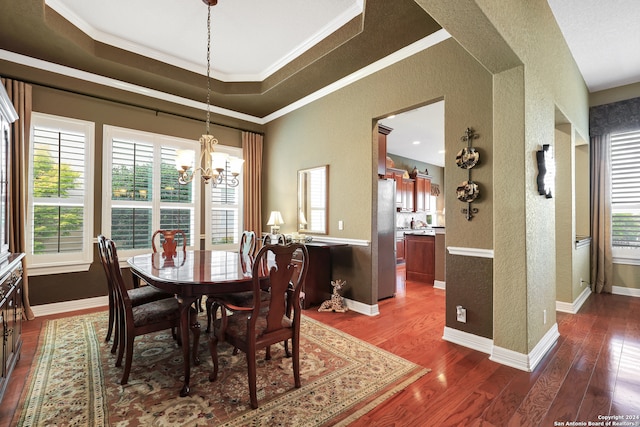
(74, 381)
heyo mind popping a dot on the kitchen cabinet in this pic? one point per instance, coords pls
(420, 257)
(408, 189)
(422, 193)
(400, 248)
(383, 131)
(10, 316)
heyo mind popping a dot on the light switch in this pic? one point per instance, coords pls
(340, 225)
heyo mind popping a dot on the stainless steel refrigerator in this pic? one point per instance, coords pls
(386, 238)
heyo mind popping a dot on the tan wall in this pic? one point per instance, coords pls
(565, 236)
(337, 130)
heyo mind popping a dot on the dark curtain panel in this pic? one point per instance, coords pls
(617, 117)
(252, 154)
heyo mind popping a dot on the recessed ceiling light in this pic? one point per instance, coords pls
(441, 152)
(416, 142)
(393, 116)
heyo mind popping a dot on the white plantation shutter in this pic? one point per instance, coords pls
(225, 212)
(625, 189)
(60, 219)
(141, 190)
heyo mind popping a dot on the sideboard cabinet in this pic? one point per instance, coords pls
(10, 316)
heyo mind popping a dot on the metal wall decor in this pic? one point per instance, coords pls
(467, 158)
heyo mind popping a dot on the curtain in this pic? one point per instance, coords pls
(20, 95)
(252, 154)
(617, 117)
(601, 257)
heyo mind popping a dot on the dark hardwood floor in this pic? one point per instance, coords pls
(591, 372)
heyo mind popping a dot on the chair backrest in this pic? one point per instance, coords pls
(104, 260)
(247, 250)
(168, 241)
(286, 274)
(111, 254)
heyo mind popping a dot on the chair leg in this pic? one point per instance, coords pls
(122, 335)
(195, 330)
(213, 349)
(112, 317)
(209, 307)
(116, 331)
(295, 343)
(128, 360)
(286, 348)
(267, 352)
(251, 371)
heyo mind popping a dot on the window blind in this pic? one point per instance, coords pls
(625, 189)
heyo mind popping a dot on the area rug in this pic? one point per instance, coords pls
(74, 381)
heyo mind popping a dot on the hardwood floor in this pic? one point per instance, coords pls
(592, 371)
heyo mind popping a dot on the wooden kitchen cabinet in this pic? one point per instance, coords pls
(400, 249)
(422, 193)
(420, 257)
(408, 189)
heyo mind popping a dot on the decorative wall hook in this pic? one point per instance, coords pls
(467, 158)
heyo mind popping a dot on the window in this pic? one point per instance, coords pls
(224, 210)
(60, 215)
(625, 196)
(141, 192)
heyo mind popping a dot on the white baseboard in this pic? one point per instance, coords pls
(362, 308)
(439, 284)
(64, 307)
(573, 307)
(466, 339)
(621, 290)
(526, 362)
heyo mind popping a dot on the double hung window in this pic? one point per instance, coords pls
(224, 222)
(625, 196)
(141, 192)
(60, 217)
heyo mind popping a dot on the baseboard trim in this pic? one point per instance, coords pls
(468, 340)
(439, 284)
(362, 308)
(526, 362)
(621, 290)
(573, 307)
(66, 306)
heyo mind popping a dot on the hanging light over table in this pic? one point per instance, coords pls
(213, 164)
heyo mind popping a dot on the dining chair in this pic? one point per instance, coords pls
(246, 253)
(265, 323)
(168, 242)
(145, 318)
(138, 296)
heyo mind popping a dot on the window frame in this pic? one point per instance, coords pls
(66, 262)
(624, 254)
(237, 152)
(157, 141)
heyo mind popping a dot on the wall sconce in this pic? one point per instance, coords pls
(546, 171)
(275, 220)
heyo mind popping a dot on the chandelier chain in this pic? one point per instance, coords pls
(208, 69)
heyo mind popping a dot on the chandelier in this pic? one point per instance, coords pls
(213, 164)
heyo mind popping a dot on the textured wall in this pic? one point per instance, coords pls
(565, 224)
(338, 130)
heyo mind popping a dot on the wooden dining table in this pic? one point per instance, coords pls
(190, 275)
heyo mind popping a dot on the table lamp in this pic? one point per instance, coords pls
(275, 220)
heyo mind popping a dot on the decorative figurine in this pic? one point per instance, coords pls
(336, 303)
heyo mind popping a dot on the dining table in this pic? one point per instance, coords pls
(189, 275)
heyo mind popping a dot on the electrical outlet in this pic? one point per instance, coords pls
(461, 314)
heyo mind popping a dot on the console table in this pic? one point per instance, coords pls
(317, 286)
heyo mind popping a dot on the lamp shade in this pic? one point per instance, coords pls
(275, 218)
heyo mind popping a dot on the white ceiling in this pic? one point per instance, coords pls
(249, 39)
(252, 39)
